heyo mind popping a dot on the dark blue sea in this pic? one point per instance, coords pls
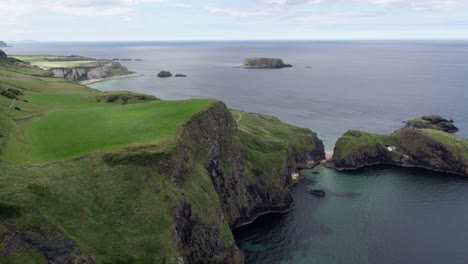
(375, 215)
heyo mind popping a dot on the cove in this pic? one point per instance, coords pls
(381, 214)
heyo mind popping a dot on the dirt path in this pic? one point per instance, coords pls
(239, 118)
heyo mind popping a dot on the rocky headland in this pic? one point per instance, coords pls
(3, 44)
(93, 72)
(171, 200)
(423, 144)
(264, 63)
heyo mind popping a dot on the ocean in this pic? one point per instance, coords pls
(374, 215)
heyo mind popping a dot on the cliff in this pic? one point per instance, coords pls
(97, 70)
(3, 56)
(408, 147)
(173, 198)
(264, 63)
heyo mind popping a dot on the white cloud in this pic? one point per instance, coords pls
(327, 17)
(292, 2)
(422, 4)
(238, 12)
(179, 5)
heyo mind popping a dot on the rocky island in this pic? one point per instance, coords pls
(164, 74)
(3, 44)
(422, 144)
(264, 63)
(167, 190)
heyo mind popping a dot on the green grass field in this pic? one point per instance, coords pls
(118, 213)
(55, 61)
(61, 120)
(72, 132)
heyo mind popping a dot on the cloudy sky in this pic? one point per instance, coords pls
(124, 20)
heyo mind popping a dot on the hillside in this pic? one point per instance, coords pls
(92, 177)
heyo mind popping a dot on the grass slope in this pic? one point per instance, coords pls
(118, 213)
(58, 182)
(55, 61)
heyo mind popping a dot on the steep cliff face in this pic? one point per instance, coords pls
(3, 56)
(245, 187)
(408, 147)
(174, 202)
(98, 70)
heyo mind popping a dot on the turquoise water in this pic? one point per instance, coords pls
(376, 215)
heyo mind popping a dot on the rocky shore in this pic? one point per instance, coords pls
(91, 81)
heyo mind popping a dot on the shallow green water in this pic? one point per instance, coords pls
(375, 215)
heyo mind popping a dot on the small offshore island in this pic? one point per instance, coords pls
(264, 63)
(424, 142)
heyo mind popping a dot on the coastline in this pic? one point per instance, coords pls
(91, 81)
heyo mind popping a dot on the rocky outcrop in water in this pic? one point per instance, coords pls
(164, 74)
(265, 63)
(97, 70)
(433, 122)
(408, 147)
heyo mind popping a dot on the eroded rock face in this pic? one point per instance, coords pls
(3, 56)
(56, 247)
(198, 242)
(213, 139)
(92, 71)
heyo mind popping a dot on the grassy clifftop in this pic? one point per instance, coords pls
(94, 177)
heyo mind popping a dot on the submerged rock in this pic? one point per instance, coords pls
(319, 193)
(164, 74)
(265, 63)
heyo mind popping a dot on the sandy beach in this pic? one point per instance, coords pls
(87, 82)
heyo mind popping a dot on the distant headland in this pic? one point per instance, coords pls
(3, 44)
(265, 63)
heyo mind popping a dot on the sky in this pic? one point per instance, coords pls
(158, 20)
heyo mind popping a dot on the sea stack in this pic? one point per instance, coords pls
(164, 74)
(265, 63)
